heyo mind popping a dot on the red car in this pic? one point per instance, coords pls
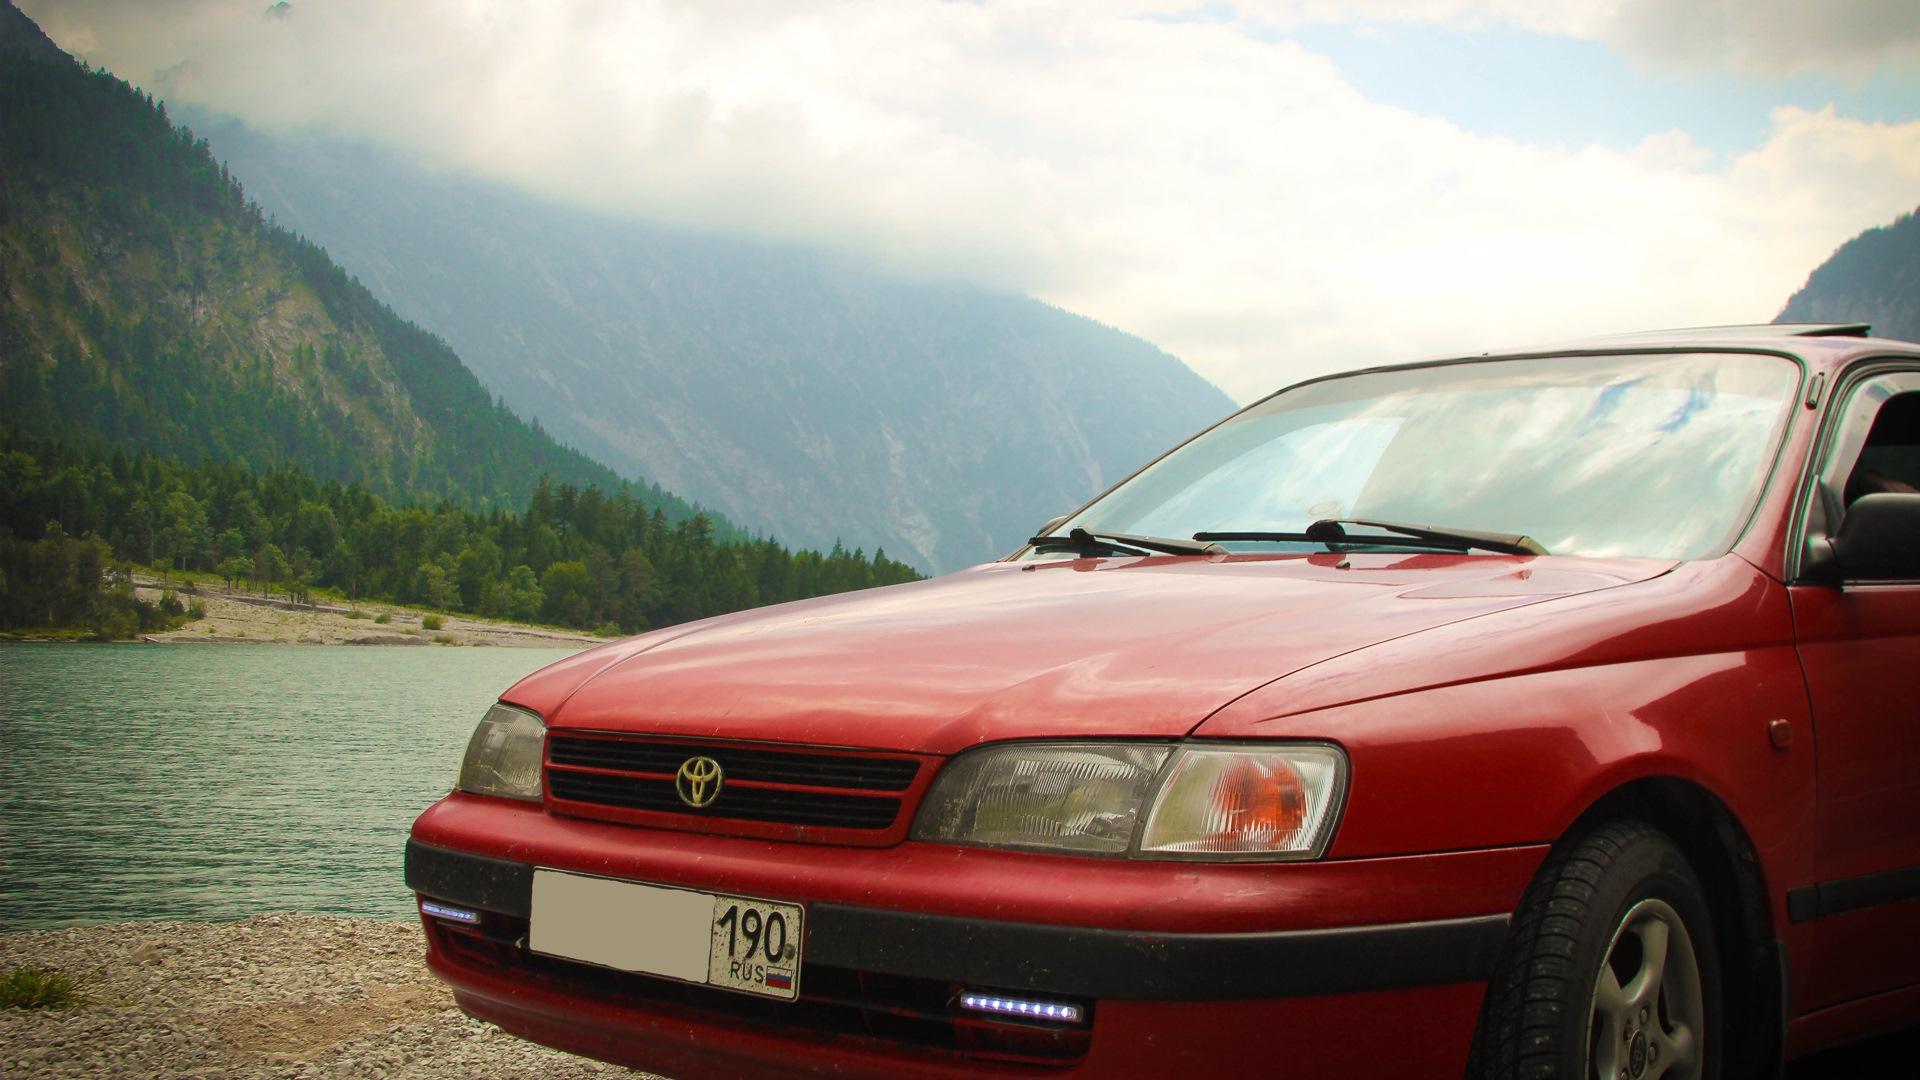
(1543, 714)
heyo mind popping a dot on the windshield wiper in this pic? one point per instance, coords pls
(1127, 544)
(1331, 531)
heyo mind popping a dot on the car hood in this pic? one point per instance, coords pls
(1142, 647)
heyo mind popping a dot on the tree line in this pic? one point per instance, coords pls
(61, 582)
(580, 558)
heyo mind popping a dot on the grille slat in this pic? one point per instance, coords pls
(854, 806)
(740, 763)
(748, 804)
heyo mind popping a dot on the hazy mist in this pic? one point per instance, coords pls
(1192, 175)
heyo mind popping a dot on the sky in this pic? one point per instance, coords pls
(1269, 190)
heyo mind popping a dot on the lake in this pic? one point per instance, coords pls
(211, 782)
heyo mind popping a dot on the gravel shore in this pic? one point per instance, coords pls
(273, 996)
(242, 618)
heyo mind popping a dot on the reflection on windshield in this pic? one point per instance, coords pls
(1657, 456)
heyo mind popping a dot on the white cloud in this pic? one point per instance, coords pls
(1580, 18)
(1772, 36)
(1224, 193)
(1766, 36)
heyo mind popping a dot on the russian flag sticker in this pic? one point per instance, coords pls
(779, 980)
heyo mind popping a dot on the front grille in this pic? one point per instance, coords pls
(742, 763)
(795, 788)
(744, 803)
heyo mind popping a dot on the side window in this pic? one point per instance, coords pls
(1874, 448)
(1889, 461)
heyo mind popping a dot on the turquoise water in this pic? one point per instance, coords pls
(209, 782)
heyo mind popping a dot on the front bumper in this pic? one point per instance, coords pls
(1091, 962)
(1180, 965)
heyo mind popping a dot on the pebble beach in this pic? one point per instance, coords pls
(275, 997)
(244, 618)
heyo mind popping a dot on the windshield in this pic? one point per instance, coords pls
(1658, 456)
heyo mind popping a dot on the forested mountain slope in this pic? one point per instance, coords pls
(794, 390)
(20, 36)
(1873, 278)
(184, 383)
(144, 299)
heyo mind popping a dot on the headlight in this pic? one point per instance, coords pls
(1058, 796)
(1276, 802)
(503, 757)
(1197, 801)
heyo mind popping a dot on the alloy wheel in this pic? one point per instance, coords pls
(1648, 1008)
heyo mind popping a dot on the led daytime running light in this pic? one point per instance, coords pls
(451, 914)
(1057, 1011)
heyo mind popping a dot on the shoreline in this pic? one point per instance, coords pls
(277, 997)
(239, 618)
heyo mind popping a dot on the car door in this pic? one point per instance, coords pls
(1859, 643)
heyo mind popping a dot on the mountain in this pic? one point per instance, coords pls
(795, 390)
(1873, 278)
(144, 300)
(22, 37)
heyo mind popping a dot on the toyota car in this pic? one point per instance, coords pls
(1544, 713)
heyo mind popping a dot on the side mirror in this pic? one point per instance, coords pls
(1879, 538)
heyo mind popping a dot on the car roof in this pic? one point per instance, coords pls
(1822, 345)
(1786, 337)
(1766, 331)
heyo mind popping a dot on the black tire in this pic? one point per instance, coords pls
(1622, 896)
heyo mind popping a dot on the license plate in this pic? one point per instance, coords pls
(736, 942)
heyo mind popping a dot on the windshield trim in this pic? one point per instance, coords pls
(1735, 536)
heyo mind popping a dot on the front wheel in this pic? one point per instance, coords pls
(1610, 972)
